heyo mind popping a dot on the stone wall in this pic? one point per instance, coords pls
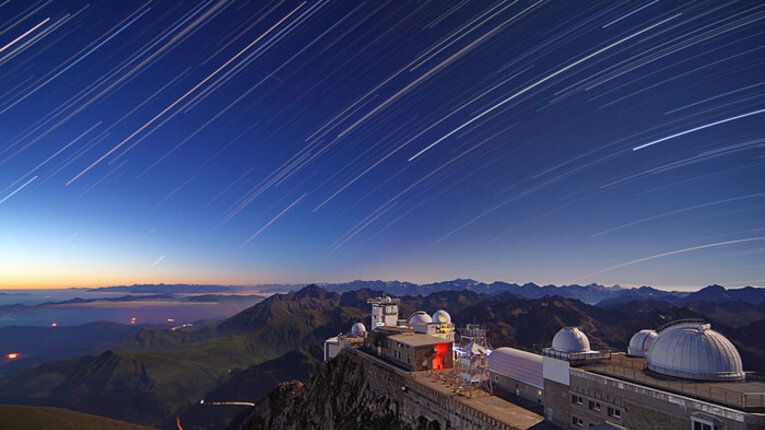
(414, 401)
(359, 391)
(557, 402)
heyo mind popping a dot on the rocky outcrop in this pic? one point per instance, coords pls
(338, 397)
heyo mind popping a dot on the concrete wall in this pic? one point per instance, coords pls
(641, 407)
(515, 387)
(555, 370)
(557, 403)
(414, 400)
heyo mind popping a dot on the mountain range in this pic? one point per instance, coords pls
(594, 294)
(156, 375)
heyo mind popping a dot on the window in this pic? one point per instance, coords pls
(496, 378)
(702, 424)
(595, 406)
(614, 413)
(576, 421)
(576, 399)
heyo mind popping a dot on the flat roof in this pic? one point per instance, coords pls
(743, 395)
(416, 339)
(508, 413)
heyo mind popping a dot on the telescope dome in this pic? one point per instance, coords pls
(442, 317)
(358, 330)
(570, 339)
(641, 342)
(419, 317)
(695, 352)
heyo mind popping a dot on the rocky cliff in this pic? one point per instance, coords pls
(338, 397)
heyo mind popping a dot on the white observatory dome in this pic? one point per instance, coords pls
(442, 317)
(570, 339)
(358, 330)
(641, 342)
(419, 317)
(695, 352)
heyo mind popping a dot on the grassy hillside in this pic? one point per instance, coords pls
(248, 385)
(148, 386)
(13, 417)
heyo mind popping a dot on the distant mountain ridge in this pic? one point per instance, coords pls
(594, 294)
(167, 288)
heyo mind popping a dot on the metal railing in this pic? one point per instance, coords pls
(695, 321)
(577, 356)
(709, 391)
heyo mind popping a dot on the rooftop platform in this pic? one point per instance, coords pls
(746, 395)
(498, 408)
(416, 339)
(442, 382)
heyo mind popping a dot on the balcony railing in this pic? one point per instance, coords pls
(709, 391)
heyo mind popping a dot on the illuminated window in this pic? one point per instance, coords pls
(595, 406)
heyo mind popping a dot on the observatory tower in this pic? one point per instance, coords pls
(384, 312)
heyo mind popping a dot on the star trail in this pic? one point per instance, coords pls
(235, 141)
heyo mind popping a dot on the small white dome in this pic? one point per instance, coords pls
(641, 342)
(358, 330)
(695, 352)
(419, 317)
(570, 339)
(442, 317)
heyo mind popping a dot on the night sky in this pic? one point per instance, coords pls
(233, 141)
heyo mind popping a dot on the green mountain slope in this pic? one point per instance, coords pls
(148, 386)
(13, 417)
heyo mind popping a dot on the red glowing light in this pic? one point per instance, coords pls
(440, 351)
(12, 356)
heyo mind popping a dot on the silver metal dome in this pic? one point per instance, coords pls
(695, 352)
(419, 317)
(570, 339)
(358, 330)
(442, 317)
(641, 342)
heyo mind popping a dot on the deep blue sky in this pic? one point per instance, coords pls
(238, 141)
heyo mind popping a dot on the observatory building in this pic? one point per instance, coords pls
(683, 376)
(421, 342)
(517, 372)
